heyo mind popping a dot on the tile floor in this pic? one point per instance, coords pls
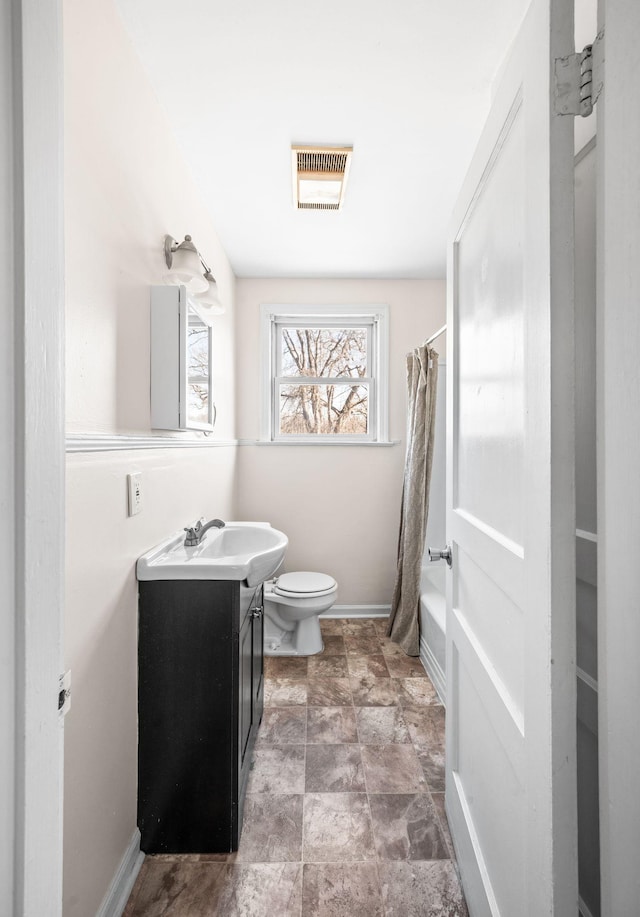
(344, 815)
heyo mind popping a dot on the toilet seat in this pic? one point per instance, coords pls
(304, 585)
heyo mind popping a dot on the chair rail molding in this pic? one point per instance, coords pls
(118, 442)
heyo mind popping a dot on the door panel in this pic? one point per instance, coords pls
(510, 791)
(490, 415)
(245, 698)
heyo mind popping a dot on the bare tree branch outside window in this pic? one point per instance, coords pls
(337, 403)
(198, 371)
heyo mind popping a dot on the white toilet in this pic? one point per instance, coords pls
(292, 604)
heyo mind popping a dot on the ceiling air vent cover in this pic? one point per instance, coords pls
(320, 176)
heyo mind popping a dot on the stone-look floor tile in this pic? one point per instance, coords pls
(331, 726)
(175, 888)
(328, 666)
(258, 889)
(272, 830)
(417, 692)
(438, 802)
(421, 889)
(333, 645)
(364, 627)
(329, 692)
(426, 727)
(381, 726)
(285, 692)
(277, 769)
(363, 666)
(405, 667)
(285, 666)
(336, 890)
(283, 726)
(389, 648)
(374, 692)
(331, 626)
(381, 625)
(406, 827)
(362, 645)
(433, 768)
(337, 828)
(334, 769)
(392, 769)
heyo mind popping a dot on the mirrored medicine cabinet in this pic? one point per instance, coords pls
(181, 362)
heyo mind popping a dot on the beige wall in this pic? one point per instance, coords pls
(339, 505)
(125, 186)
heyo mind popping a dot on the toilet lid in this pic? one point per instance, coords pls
(292, 584)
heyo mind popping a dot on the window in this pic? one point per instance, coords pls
(325, 376)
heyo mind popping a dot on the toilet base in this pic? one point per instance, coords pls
(305, 640)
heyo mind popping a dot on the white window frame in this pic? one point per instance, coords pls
(376, 317)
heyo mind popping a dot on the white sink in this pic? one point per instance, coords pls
(250, 551)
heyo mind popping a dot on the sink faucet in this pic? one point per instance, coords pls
(194, 535)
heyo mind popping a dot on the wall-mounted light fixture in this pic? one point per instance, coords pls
(186, 266)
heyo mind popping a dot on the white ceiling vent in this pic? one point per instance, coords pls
(319, 176)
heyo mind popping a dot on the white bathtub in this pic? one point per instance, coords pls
(432, 586)
(433, 610)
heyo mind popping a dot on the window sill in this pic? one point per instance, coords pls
(316, 442)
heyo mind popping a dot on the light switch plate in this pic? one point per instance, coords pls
(134, 484)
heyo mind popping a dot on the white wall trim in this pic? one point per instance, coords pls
(115, 900)
(123, 442)
(8, 462)
(358, 611)
(317, 442)
(38, 306)
(433, 669)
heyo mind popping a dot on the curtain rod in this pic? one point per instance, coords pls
(436, 335)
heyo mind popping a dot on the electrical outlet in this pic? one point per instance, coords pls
(134, 483)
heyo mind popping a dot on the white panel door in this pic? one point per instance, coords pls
(511, 767)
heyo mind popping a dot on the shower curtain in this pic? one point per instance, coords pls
(422, 380)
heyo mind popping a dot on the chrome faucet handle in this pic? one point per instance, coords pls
(193, 535)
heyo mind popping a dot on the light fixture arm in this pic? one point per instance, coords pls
(171, 246)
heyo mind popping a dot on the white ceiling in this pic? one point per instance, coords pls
(407, 83)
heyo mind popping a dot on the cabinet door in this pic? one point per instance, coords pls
(245, 687)
(258, 658)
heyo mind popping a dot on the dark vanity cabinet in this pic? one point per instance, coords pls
(200, 699)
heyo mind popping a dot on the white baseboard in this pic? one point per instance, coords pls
(358, 611)
(434, 671)
(115, 901)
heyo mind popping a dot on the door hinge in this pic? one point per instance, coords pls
(64, 693)
(579, 79)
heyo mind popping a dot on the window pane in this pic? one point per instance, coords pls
(324, 409)
(198, 402)
(198, 348)
(324, 352)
